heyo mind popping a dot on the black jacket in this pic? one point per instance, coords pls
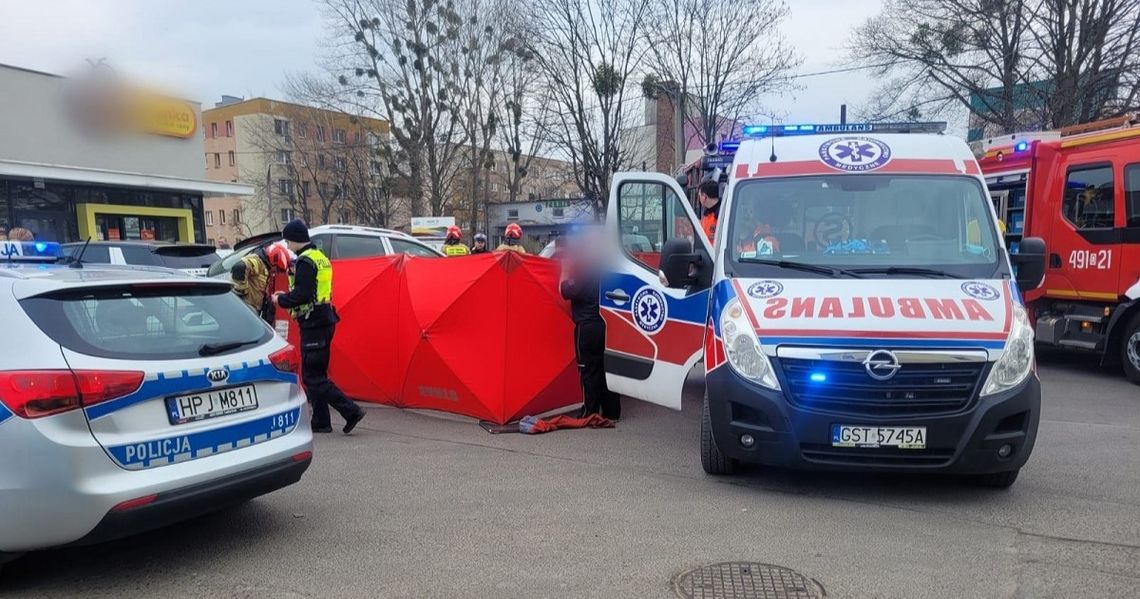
(304, 291)
(582, 291)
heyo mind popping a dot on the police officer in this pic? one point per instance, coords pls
(309, 300)
(451, 246)
(480, 246)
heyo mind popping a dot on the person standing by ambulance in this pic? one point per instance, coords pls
(709, 198)
(452, 245)
(580, 281)
(309, 301)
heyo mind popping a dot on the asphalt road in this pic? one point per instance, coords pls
(418, 505)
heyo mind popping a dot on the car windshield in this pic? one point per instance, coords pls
(886, 224)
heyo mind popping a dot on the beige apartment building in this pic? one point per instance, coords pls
(302, 162)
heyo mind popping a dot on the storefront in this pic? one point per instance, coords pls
(64, 181)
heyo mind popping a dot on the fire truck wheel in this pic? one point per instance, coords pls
(712, 460)
(1130, 350)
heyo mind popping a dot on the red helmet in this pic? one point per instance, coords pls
(454, 232)
(514, 231)
(278, 256)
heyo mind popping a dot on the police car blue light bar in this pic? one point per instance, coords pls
(30, 251)
(817, 129)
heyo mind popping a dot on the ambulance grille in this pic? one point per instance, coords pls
(846, 388)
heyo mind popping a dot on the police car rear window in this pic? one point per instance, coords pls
(147, 322)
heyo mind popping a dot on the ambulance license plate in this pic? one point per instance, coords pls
(902, 437)
(211, 404)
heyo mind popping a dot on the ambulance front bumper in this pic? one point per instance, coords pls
(969, 441)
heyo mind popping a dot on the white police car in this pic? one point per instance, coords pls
(856, 309)
(131, 398)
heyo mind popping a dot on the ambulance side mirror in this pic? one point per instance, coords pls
(1029, 263)
(683, 268)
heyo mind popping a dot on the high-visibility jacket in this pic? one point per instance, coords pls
(455, 249)
(324, 282)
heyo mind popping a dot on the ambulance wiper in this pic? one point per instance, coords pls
(213, 349)
(910, 270)
(823, 270)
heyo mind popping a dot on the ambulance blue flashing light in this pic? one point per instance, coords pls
(818, 377)
(816, 129)
(728, 147)
(1021, 146)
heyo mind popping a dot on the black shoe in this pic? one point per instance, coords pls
(353, 421)
(322, 429)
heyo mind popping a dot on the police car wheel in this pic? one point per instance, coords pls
(997, 480)
(1130, 350)
(712, 460)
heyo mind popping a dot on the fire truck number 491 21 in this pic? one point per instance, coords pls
(1098, 259)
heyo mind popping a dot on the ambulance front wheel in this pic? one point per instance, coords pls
(712, 460)
(1130, 350)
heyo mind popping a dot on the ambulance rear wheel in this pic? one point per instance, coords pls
(1130, 350)
(712, 460)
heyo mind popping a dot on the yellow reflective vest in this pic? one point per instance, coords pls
(324, 281)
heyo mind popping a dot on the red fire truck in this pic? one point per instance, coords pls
(1078, 189)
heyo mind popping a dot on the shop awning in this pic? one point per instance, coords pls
(55, 172)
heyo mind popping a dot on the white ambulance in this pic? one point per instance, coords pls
(857, 309)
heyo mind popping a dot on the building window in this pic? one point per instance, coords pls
(237, 216)
(286, 215)
(207, 161)
(320, 161)
(232, 158)
(513, 214)
(323, 189)
(209, 218)
(338, 136)
(302, 130)
(210, 241)
(282, 157)
(559, 212)
(221, 217)
(217, 161)
(213, 129)
(341, 165)
(1088, 200)
(304, 189)
(229, 128)
(320, 133)
(376, 168)
(285, 186)
(281, 127)
(336, 191)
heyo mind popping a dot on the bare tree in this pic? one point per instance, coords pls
(401, 60)
(522, 116)
(1011, 64)
(721, 58)
(588, 50)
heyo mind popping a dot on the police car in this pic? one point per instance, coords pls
(131, 398)
(856, 310)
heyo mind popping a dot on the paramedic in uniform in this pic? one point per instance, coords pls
(309, 301)
(709, 198)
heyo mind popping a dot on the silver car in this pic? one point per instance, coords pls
(134, 398)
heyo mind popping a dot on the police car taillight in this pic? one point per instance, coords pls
(39, 393)
(285, 360)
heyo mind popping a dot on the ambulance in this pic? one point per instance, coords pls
(856, 309)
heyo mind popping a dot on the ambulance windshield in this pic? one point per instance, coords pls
(865, 221)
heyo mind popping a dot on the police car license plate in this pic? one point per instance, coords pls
(211, 404)
(903, 437)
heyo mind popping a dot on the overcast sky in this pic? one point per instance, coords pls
(245, 47)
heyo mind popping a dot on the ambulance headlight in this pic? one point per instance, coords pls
(1016, 362)
(742, 348)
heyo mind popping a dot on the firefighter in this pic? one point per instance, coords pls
(581, 270)
(480, 246)
(253, 276)
(309, 301)
(512, 237)
(709, 198)
(452, 245)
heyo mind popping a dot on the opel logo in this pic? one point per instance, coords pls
(218, 375)
(881, 365)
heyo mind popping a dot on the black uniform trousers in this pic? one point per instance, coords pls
(590, 349)
(316, 343)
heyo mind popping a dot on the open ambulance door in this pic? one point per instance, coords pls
(654, 335)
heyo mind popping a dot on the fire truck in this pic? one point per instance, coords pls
(1078, 189)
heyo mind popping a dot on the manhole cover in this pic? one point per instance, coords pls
(745, 580)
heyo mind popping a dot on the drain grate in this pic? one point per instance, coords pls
(745, 580)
